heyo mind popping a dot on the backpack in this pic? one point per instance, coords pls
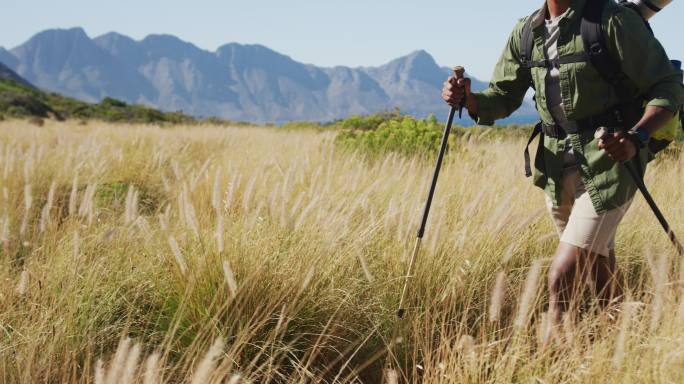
(597, 53)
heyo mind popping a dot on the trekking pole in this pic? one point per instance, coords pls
(458, 72)
(639, 181)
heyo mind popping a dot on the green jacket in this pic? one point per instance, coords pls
(585, 93)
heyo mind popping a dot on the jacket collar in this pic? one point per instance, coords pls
(576, 9)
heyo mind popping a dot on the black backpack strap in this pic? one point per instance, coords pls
(535, 132)
(581, 57)
(596, 50)
(527, 42)
(592, 36)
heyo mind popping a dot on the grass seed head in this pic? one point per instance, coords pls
(178, 255)
(216, 191)
(206, 366)
(131, 366)
(22, 286)
(497, 297)
(229, 275)
(73, 196)
(391, 376)
(220, 245)
(528, 296)
(151, 374)
(45, 213)
(118, 364)
(99, 372)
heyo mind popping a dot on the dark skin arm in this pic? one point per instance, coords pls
(620, 148)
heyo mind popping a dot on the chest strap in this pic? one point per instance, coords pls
(553, 130)
(581, 57)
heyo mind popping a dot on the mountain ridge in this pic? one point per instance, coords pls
(236, 82)
(8, 74)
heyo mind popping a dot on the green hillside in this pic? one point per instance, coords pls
(17, 100)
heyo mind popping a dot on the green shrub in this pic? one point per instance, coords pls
(369, 122)
(19, 101)
(37, 121)
(404, 135)
(111, 102)
(393, 132)
(23, 104)
(295, 125)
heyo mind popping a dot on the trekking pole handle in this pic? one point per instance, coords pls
(459, 73)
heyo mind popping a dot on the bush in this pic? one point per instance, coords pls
(111, 102)
(19, 101)
(37, 121)
(404, 135)
(22, 104)
(369, 122)
(295, 125)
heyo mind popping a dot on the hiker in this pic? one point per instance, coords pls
(578, 91)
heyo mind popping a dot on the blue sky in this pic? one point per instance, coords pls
(321, 32)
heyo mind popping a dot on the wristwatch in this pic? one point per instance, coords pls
(639, 137)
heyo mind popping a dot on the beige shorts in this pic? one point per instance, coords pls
(576, 219)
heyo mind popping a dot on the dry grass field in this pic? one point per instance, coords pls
(246, 255)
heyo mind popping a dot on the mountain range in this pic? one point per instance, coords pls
(8, 74)
(236, 82)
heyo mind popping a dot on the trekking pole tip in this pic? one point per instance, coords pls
(400, 313)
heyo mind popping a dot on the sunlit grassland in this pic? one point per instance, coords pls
(235, 255)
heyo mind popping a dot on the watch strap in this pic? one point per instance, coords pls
(639, 137)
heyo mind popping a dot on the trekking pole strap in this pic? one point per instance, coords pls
(639, 181)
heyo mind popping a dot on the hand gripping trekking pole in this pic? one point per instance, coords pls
(458, 72)
(639, 181)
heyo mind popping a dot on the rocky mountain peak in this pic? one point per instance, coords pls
(238, 82)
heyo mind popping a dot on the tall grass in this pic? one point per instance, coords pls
(212, 254)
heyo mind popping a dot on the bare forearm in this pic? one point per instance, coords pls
(471, 106)
(654, 118)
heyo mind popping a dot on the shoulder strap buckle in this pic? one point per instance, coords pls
(596, 48)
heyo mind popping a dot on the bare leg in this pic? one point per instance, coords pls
(607, 279)
(565, 278)
(569, 269)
